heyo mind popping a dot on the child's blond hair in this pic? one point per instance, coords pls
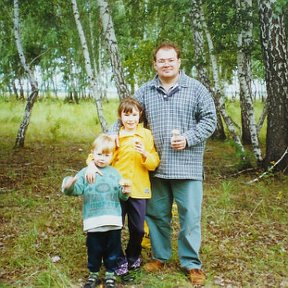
(105, 143)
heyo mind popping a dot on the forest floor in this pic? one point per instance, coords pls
(42, 244)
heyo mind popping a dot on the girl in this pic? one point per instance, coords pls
(134, 158)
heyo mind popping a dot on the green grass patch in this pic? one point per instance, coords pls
(41, 240)
(55, 120)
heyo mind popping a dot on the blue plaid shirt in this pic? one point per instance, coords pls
(188, 107)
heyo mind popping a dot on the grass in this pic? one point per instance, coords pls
(41, 240)
(55, 120)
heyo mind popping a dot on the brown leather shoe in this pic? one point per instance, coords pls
(153, 266)
(196, 276)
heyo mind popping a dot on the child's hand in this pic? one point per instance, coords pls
(70, 182)
(126, 189)
(115, 137)
(140, 148)
(126, 186)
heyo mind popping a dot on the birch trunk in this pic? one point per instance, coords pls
(20, 138)
(244, 64)
(244, 43)
(261, 119)
(219, 100)
(15, 91)
(200, 60)
(89, 70)
(110, 37)
(96, 55)
(274, 46)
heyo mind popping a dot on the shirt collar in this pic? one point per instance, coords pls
(139, 132)
(182, 81)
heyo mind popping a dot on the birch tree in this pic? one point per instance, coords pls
(88, 67)
(219, 100)
(20, 138)
(275, 54)
(96, 53)
(110, 37)
(201, 62)
(244, 43)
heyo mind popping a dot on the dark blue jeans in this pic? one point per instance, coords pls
(103, 245)
(135, 209)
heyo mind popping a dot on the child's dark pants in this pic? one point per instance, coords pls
(103, 245)
(135, 209)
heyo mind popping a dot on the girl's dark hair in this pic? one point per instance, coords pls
(127, 104)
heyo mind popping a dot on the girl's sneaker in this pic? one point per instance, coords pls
(135, 265)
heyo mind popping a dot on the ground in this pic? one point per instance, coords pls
(42, 244)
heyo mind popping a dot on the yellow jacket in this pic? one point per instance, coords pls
(130, 163)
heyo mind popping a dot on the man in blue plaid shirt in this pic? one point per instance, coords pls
(181, 115)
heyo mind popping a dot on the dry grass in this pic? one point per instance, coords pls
(42, 244)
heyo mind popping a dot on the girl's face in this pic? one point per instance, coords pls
(130, 120)
(102, 159)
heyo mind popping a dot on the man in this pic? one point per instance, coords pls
(174, 101)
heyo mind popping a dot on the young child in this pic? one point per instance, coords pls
(102, 216)
(134, 158)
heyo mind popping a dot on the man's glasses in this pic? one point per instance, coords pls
(170, 61)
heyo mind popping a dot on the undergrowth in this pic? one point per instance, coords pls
(41, 240)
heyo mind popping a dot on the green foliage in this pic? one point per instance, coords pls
(52, 277)
(281, 7)
(54, 130)
(141, 26)
(246, 158)
(50, 38)
(225, 198)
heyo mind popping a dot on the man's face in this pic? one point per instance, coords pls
(167, 64)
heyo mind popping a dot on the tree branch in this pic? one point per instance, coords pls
(270, 169)
(39, 56)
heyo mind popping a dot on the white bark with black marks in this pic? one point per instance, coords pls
(244, 43)
(201, 61)
(275, 52)
(110, 37)
(20, 138)
(219, 100)
(89, 70)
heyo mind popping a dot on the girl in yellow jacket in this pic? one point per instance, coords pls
(134, 158)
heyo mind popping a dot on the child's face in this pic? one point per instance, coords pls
(102, 159)
(130, 120)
